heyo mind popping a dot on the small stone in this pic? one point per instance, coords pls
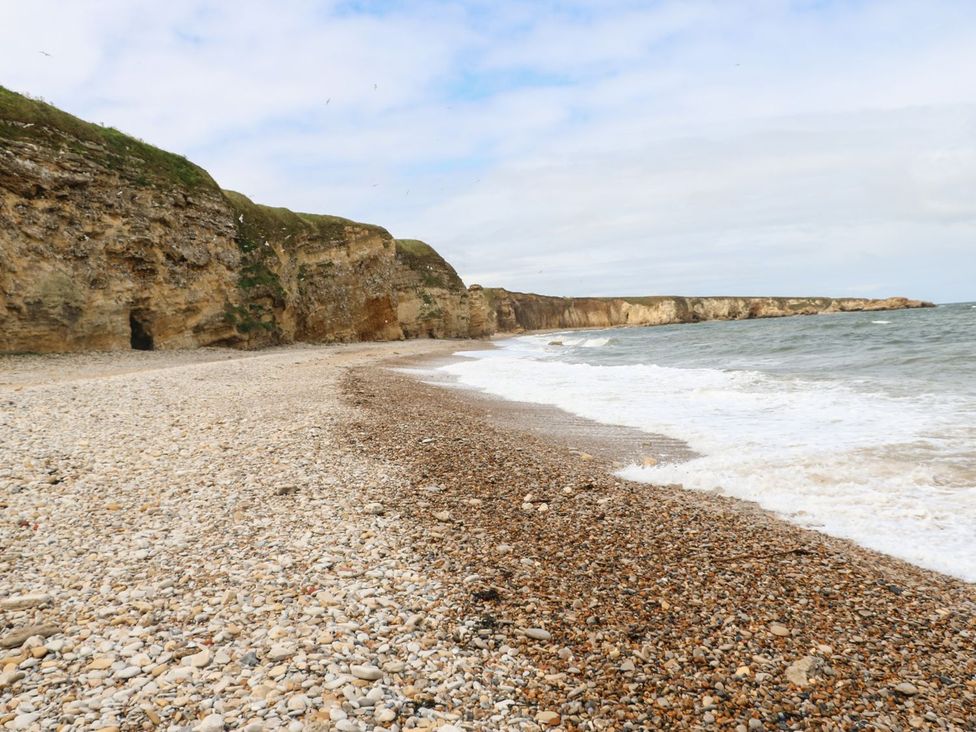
(24, 721)
(537, 634)
(547, 719)
(443, 515)
(504, 549)
(280, 652)
(780, 630)
(708, 718)
(10, 678)
(21, 602)
(376, 509)
(384, 714)
(210, 723)
(298, 703)
(100, 664)
(796, 672)
(249, 659)
(17, 638)
(128, 672)
(366, 672)
(906, 688)
(200, 660)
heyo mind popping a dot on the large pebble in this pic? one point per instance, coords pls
(366, 672)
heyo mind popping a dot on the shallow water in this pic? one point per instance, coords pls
(862, 425)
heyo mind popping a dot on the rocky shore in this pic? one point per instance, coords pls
(302, 539)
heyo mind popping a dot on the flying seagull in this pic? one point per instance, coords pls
(328, 100)
(44, 53)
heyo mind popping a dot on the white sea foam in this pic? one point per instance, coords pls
(893, 473)
(881, 322)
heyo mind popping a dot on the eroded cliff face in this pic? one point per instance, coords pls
(432, 301)
(517, 311)
(108, 243)
(92, 248)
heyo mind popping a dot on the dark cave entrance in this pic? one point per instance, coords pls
(139, 336)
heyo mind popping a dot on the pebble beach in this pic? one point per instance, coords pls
(302, 538)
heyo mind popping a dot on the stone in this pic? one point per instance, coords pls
(796, 673)
(906, 688)
(779, 630)
(24, 721)
(280, 652)
(443, 516)
(376, 509)
(22, 602)
(210, 723)
(547, 719)
(298, 703)
(9, 678)
(128, 672)
(537, 634)
(200, 660)
(366, 672)
(18, 637)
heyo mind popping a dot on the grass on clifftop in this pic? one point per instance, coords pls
(31, 120)
(267, 223)
(433, 269)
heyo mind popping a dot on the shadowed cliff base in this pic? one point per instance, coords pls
(108, 243)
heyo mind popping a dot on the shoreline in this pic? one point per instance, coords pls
(302, 538)
(750, 604)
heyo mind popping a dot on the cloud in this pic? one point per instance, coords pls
(575, 147)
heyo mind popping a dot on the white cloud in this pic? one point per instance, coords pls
(571, 147)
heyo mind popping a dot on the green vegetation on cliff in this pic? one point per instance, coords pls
(258, 224)
(34, 121)
(433, 269)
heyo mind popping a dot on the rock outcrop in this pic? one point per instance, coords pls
(108, 243)
(517, 311)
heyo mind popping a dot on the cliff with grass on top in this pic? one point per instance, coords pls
(518, 311)
(107, 243)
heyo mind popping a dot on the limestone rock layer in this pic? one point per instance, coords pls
(107, 243)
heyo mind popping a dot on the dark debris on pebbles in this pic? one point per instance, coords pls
(660, 608)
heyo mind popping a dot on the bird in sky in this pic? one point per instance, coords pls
(44, 53)
(375, 87)
(328, 100)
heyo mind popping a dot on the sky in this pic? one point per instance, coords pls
(572, 147)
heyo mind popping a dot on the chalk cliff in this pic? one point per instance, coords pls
(516, 311)
(109, 243)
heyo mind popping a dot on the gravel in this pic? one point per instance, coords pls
(654, 599)
(154, 574)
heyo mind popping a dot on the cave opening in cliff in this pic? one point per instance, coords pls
(139, 336)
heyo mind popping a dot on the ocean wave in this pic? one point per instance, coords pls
(841, 456)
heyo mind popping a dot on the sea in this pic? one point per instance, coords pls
(858, 425)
